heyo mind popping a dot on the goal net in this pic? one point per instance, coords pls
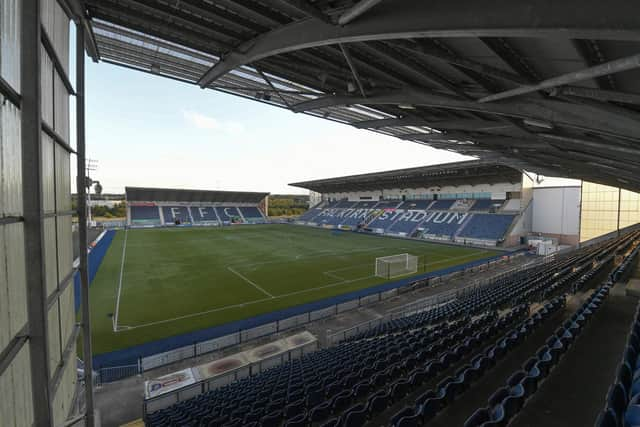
(392, 266)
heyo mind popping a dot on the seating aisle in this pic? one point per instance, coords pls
(574, 395)
(458, 412)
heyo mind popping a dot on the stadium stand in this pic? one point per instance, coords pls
(202, 214)
(462, 205)
(145, 214)
(385, 219)
(192, 206)
(309, 215)
(428, 202)
(505, 402)
(407, 222)
(487, 226)
(172, 214)
(623, 398)
(251, 214)
(441, 205)
(416, 204)
(443, 224)
(228, 213)
(366, 204)
(388, 204)
(407, 371)
(344, 204)
(486, 204)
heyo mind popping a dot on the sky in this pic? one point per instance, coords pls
(151, 131)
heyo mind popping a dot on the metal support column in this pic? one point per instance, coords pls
(82, 226)
(619, 205)
(31, 125)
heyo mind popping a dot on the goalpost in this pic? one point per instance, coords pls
(392, 266)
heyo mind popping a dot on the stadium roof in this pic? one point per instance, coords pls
(140, 194)
(551, 86)
(476, 171)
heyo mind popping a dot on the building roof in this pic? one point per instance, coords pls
(139, 194)
(458, 173)
(553, 89)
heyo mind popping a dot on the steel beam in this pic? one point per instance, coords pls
(273, 88)
(356, 11)
(176, 16)
(472, 125)
(56, 137)
(392, 122)
(12, 349)
(592, 54)
(81, 189)
(31, 118)
(303, 7)
(438, 137)
(467, 64)
(9, 92)
(403, 19)
(412, 71)
(597, 94)
(583, 117)
(80, 17)
(616, 66)
(354, 71)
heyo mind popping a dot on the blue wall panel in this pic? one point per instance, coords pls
(95, 259)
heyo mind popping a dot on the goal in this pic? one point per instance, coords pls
(392, 266)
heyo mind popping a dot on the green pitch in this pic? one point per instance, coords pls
(156, 283)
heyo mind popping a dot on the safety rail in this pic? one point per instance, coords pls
(426, 303)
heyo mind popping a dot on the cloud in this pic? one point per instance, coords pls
(202, 121)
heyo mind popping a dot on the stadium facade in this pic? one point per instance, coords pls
(479, 202)
(38, 329)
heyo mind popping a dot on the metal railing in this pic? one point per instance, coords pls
(159, 402)
(426, 303)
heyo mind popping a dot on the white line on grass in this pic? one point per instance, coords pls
(321, 253)
(124, 250)
(333, 276)
(249, 281)
(246, 303)
(344, 282)
(187, 316)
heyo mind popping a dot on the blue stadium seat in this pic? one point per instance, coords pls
(487, 226)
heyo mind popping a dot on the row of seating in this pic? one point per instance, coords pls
(151, 215)
(312, 379)
(440, 204)
(324, 383)
(528, 285)
(430, 364)
(622, 406)
(507, 401)
(430, 403)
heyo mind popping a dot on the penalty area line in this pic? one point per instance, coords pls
(117, 309)
(244, 304)
(255, 285)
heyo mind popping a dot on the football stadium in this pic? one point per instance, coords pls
(500, 288)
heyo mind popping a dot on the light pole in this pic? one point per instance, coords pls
(92, 166)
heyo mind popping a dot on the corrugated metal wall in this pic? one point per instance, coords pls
(16, 408)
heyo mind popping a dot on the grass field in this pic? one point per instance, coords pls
(162, 282)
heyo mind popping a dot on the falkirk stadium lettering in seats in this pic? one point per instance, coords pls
(464, 221)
